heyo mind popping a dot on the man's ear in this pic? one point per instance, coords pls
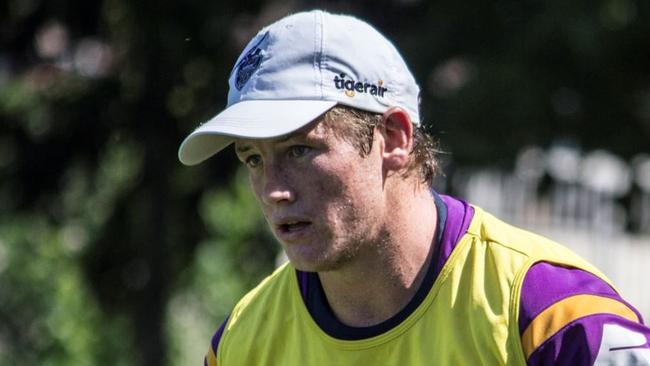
(397, 131)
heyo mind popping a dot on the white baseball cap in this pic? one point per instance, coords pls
(296, 69)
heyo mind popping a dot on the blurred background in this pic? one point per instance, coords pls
(113, 253)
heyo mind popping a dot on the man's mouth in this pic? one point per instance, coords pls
(292, 226)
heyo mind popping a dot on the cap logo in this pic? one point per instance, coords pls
(351, 87)
(249, 63)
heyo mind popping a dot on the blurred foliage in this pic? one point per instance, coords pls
(47, 312)
(113, 253)
(224, 269)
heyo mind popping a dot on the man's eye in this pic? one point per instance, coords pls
(297, 151)
(253, 161)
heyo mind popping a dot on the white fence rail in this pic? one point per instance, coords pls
(591, 221)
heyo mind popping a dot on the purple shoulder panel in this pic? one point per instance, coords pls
(459, 216)
(579, 342)
(545, 284)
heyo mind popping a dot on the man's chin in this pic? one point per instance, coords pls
(305, 266)
(314, 264)
(311, 265)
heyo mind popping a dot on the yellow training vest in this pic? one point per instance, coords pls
(469, 316)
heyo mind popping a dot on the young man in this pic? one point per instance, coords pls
(382, 270)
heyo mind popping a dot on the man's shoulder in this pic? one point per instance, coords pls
(489, 228)
(492, 231)
(260, 317)
(248, 314)
(270, 290)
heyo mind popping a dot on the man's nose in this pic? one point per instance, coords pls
(277, 186)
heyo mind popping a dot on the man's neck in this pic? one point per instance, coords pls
(383, 280)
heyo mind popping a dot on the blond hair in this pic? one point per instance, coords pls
(357, 127)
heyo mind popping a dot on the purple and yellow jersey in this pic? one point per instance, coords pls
(571, 317)
(490, 281)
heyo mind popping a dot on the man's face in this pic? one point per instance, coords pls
(322, 200)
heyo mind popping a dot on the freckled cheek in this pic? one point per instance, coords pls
(336, 197)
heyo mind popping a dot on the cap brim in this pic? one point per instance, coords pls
(249, 119)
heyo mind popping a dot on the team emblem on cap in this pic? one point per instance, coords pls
(249, 63)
